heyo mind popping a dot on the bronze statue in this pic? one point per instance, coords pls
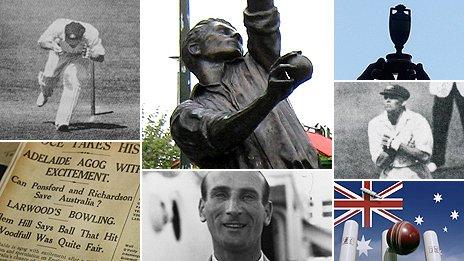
(398, 63)
(238, 115)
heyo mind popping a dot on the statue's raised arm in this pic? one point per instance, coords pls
(261, 19)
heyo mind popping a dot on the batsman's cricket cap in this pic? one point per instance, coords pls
(396, 91)
(74, 31)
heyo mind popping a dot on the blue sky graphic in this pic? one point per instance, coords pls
(418, 199)
(362, 36)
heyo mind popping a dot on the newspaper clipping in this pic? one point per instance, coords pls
(71, 201)
(7, 151)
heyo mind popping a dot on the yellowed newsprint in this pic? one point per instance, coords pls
(7, 150)
(71, 201)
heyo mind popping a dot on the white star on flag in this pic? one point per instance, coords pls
(419, 220)
(363, 246)
(445, 229)
(437, 198)
(454, 215)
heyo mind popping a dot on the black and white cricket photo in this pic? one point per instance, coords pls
(236, 215)
(69, 69)
(399, 130)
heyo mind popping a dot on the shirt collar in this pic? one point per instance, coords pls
(406, 115)
(199, 86)
(213, 257)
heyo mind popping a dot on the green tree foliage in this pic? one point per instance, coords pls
(158, 148)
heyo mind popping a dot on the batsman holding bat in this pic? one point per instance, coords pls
(71, 45)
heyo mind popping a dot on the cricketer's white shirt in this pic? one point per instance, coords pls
(443, 89)
(55, 32)
(260, 259)
(411, 128)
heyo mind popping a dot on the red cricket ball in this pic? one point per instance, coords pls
(403, 238)
(304, 68)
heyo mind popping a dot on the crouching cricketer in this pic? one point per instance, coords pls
(70, 44)
(400, 140)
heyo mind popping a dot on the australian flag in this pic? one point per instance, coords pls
(377, 205)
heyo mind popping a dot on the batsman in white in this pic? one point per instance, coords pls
(400, 140)
(71, 45)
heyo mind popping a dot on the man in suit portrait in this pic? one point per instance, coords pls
(236, 207)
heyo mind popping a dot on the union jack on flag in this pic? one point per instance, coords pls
(361, 202)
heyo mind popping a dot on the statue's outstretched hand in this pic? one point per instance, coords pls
(280, 85)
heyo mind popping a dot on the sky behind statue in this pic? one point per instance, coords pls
(305, 26)
(362, 36)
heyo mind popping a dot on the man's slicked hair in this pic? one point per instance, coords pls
(199, 31)
(265, 191)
